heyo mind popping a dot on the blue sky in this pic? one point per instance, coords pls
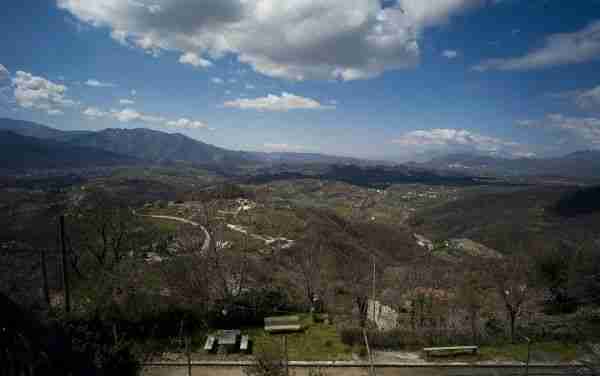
(400, 80)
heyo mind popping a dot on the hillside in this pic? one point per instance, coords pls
(19, 152)
(156, 146)
(30, 129)
(509, 221)
(582, 164)
(159, 147)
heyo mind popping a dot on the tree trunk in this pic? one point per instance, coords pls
(513, 319)
(362, 304)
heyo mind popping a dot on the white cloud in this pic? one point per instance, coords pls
(94, 112)
(589, 99)
(584, 131)
(126, 102)
(217, 80)
(95, 83)
(250, 87)
(559, 49)
(194, 60)
(457, 140)
(39, 93)
(525, 154)
(4, 73)
(187, 124)
(55, 112)
(294, 39)
(450, 54)
(282, 147)
(133, 92)
(272, 102)
(525, 123)
(128, 115)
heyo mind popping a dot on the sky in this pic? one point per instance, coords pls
(382, 79)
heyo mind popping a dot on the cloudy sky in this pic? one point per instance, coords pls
(395, 79)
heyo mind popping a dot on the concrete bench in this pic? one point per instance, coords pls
(282, 324)
(244, 343)
(452, 350)
(210, 343)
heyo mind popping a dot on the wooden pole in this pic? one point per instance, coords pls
(373, 293)
(45, 277)
(528, 356)
(188, 354)
(287, 359)
(65, 271)
(371, 366)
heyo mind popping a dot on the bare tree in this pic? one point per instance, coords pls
(512, 282)
(306, 263)
(269, 361)
(105, 231)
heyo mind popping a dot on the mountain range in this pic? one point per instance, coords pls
(18, 152)
(139, 145)
(580, 164)
(25, 145)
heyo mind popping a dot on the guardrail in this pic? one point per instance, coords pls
(361, 364)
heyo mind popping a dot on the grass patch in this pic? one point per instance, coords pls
(163, 225)
(317, 342)
(543, 351)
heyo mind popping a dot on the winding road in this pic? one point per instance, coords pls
(205, 245)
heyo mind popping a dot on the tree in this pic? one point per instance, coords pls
(269, 361)
(512, 281)
(105, 231)
(306, 262)
(471, 297)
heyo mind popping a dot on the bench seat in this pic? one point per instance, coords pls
(450, 350)
(283, 328)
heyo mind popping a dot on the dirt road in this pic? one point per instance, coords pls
(206, 243)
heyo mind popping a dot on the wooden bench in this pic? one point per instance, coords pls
(282, 324)
(210, 343)
(453, 350)
(244, 343)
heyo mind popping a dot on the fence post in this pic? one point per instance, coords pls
(65, 271)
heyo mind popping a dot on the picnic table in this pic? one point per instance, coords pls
(228, 337)
(227, 341)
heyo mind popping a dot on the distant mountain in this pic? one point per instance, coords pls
(311, 158)
(30, 129)
(155, 146)
(160, 147)
(582, 164)
(19, 152)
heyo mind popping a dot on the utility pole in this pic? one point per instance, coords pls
(45, 277)
(371, 366)
(373, 292)
(287, 359)
(65, 271)
(188, 354)
(528, 355)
